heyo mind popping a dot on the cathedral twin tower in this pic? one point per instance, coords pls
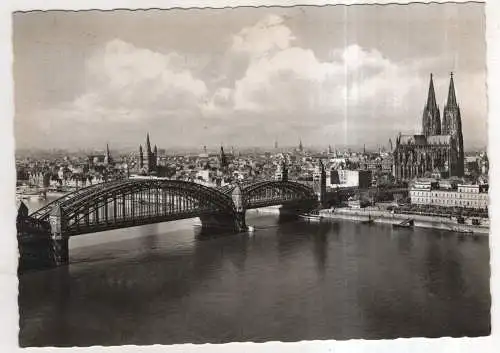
(440, 148)
(452, 121)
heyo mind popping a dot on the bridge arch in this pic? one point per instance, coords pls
(134, 202)
(268, 193)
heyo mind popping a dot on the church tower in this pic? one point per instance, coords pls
(107, 158)
(431, 121)
(149, 155)
(452, 125)
(223, 159)
(141, 157)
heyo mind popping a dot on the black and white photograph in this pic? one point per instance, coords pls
(251, 174)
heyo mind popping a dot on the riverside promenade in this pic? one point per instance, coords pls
(383, 216)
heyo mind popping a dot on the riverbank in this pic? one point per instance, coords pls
(379, 216)
(275, 210)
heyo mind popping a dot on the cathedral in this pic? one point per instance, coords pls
(148, 161)
(439, 150)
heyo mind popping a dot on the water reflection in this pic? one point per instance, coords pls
(289, 280)
(320, 242)
(404, 239)
(442, 270)
(149, 237)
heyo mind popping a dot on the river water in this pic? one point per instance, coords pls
(292, 280)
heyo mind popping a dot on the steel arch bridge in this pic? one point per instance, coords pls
(134, 202)
(129, 203)
(265, 193)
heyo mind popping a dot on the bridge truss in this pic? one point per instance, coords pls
(134, 202)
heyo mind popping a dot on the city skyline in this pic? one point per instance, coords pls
(251, 78)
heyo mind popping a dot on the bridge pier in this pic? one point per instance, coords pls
(60, 242)
(60, 250)
(34, 242)
(237, 197)
(240, 222)
(233, 222)
(298, 208)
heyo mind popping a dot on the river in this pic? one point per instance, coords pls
(292, 280)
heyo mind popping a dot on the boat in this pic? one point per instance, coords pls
(310, 216)
(408, 223)
(462, 230)
(250, 229)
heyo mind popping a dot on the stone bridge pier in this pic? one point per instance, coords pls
(41, 244)
(60, 241)
(235, 222)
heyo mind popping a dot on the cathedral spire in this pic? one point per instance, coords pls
(431, 120)
(452, 98)
(148, 144)
(431, 96)
(452, 125)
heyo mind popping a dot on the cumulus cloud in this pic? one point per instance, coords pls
(289, 79)
(125, 82)
(278, 83)
(266, 36)
(346, 94)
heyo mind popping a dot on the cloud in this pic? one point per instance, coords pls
(289, 79)
(127, 83)
(347, 94)
(266, 36)
(221, 101)
(266, 77)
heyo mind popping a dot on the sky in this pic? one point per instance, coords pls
(334, 75)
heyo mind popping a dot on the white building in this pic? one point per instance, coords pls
(464, 195)
(349, 178)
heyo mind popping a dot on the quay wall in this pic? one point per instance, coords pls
(380, 216)
(266, 210)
